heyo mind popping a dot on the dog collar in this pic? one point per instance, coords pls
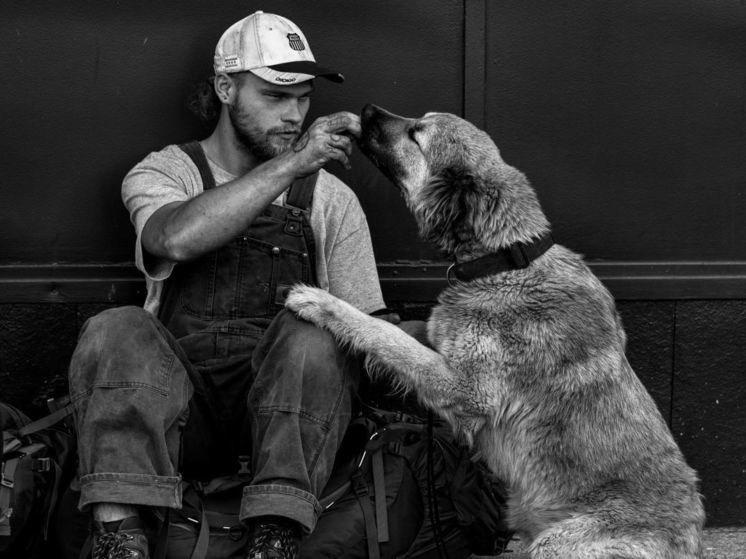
(514, 257)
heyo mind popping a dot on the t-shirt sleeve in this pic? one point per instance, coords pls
(159, 179)
(353, 275)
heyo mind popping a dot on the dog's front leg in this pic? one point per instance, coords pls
(387, 348)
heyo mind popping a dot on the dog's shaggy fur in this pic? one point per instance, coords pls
(528, 364)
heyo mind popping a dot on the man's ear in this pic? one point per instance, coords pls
(225, 88)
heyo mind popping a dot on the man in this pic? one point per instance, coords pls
(212, 369)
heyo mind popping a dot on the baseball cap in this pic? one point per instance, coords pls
(271, 47)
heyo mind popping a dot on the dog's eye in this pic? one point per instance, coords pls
(411, 131)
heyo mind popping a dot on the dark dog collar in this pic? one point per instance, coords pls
(514, 257)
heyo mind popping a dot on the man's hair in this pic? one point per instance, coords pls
(203, 102)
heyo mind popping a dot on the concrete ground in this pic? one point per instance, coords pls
(719, 543)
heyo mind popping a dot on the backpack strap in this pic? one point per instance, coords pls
(47, 421)
(379, 488)
(197, 155)
(203, 538)
(360, 488)
(10, 442)
(6, 493)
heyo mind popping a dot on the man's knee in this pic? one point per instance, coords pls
(117, 346)
(294, 347)
(119, 319)
(300, 336)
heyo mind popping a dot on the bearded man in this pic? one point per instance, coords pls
(211, 370)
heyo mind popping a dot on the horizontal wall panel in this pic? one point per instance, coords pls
(409, 282)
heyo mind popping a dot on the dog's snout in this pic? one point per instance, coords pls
(374, 113)
(369, 112)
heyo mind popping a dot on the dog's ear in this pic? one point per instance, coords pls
(444, 207)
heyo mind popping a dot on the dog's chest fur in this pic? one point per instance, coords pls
(540, 356)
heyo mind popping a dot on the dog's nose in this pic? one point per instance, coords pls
(370, 111)
(373, 113)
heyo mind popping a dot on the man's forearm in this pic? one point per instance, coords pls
(183, 231)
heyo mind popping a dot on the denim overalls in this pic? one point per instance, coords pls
(222, 373)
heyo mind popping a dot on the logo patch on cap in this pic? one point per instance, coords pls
(296, 43)
(231, 62)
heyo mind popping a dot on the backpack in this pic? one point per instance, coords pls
(414, 493)
(38, 459)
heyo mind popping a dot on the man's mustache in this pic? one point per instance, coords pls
(281, 131)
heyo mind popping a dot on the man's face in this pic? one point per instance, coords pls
(267, 118)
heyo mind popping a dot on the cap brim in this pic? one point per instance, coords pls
(309, 68)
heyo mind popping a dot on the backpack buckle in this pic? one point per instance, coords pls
(243, 465)
(42, 465)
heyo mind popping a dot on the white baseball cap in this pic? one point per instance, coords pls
(271, 47)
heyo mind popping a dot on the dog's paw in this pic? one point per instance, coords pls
(310, 303)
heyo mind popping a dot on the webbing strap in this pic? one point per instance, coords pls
(203, 538)
(9, 476)
(10, 442)
(46, 421)
(361, 492)
(161, 541)
(379, 488)
(6, 492)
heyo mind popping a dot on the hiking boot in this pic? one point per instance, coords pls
(273, 537)
(124, 539)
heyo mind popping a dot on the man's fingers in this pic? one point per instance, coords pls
(329, 138)
(341, 142)
(342, 122)
(338, 154)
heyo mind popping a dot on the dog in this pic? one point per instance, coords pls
(526, 358)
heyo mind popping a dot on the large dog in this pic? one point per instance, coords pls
(527, 360)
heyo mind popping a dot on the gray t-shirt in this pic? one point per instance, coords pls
(345, 264)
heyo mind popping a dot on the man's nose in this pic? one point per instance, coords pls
(293, 112)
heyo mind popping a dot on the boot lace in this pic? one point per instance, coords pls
(112, 545)
(270, 541)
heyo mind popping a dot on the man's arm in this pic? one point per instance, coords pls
(182, 231)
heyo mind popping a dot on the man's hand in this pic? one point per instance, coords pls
(329, 138)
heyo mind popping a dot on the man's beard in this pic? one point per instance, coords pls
(262, 144)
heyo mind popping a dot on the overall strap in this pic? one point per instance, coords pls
(197, 154)
(300, 194)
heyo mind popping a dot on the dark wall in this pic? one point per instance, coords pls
(90, 88)
(629, 119)
(627, 116)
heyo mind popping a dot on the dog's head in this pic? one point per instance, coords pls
(462, 194)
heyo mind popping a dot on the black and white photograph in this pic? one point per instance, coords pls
(383, 279)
